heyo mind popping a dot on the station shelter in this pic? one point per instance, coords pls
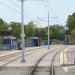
(8, 42)
(35, 41)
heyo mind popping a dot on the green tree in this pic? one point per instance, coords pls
(56, 32)
(43, 32)
(71, 22)
(73, 33)
(16, 29)
(36, 31)
(29, 29)
(3, 25)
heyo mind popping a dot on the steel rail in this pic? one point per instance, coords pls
(40, 59)
(14, 54)
(51, 65)
(52, 71)
(3, 66)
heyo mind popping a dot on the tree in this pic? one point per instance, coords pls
(56, 32)
(3, 25)
(29, 29)
(37, 31)
(71, 22)
(43, 32)
(73, 33)
(16, 29)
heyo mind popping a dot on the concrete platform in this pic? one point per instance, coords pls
(67, 68)
(9, 52)
(18, 68)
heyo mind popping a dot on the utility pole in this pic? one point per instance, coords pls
(65, 36)
(48, 33)
(65, 44)
(22, 32)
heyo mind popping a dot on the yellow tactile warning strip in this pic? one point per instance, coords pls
(64, 59)
(63, 56)
(7, 53)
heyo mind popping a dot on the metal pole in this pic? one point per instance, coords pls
(65, 37)
(65, 40)
(65, 45)
(22, 31)
(48, 32)
(63, 58)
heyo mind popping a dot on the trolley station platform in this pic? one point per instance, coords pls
(14, 66)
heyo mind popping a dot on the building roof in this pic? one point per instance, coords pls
(10, 37)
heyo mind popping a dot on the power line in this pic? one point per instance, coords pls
(24, 10)
(9, 7)
(12, 9)
(54, 11)
(19, 7)
(50, 7)
(45, 5)
(14, 3)
(28, 12)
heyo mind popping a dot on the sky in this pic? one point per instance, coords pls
(37, 11)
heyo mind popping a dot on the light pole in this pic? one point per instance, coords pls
(22, 31)
(48, 33)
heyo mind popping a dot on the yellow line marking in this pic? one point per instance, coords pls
(65, 61)
(63, 56)
(7, 53)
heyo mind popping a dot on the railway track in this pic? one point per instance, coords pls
(9, 60)
(28, 51)
(50, 71)
(13, 57)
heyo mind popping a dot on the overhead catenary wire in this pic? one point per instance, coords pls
(44, 5)
(26, 12)
(9, 7)
(11, 1)
(13, 9)
(50, 7)
(30, 15)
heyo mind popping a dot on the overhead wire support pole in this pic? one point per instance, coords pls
(48, 32)
(65, 37)
(48, 27)
(22, 32)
